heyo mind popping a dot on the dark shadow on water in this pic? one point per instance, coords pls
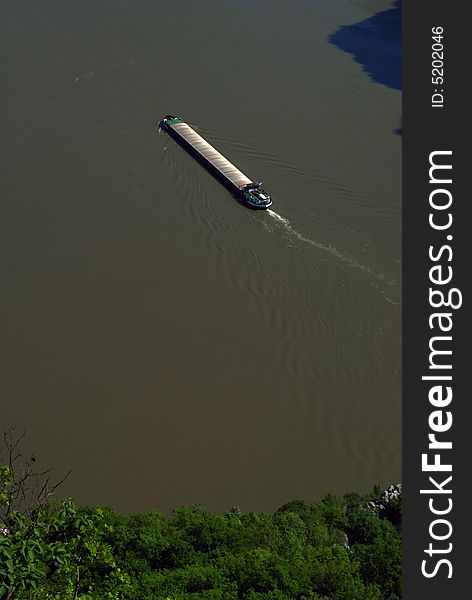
(376, 44)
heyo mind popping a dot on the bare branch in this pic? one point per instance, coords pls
(31, 488)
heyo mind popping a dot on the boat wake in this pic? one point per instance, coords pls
(347, 260)
(214, 222)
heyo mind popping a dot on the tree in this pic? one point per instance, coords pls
(25, 520)
(50, 550)
(334, 549)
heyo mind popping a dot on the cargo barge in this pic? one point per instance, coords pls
(250, 192)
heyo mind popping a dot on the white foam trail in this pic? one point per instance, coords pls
(283, 220)
(349, 260)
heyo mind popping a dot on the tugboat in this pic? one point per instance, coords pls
(255, 195)
(251, 192)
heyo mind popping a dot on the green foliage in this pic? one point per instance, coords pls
(6, 482)
(58, 552)
(334, 549)
(380, 562)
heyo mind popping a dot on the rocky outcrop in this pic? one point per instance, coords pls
(388, 497)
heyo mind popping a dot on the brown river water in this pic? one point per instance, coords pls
(159, 339)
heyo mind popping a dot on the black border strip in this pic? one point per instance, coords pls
(427, 129)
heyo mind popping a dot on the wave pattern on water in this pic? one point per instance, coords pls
(349, 260)
(287, 303)
(205, 213)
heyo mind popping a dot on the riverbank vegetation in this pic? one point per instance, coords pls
(338, 548)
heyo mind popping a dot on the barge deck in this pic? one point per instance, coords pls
(251, 192)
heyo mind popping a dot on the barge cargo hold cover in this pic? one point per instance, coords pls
(251, 192)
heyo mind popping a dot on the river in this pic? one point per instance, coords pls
(163, 342)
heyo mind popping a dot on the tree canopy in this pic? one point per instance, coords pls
(337, 548)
